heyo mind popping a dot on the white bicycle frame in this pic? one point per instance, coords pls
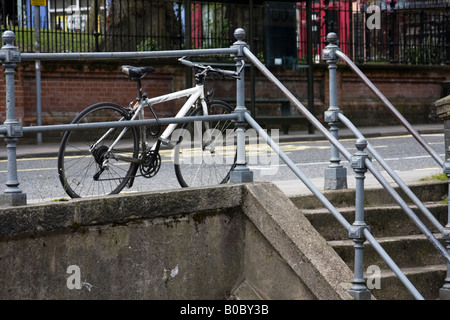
(193, 93)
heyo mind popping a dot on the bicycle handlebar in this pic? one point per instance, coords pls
(234, 74)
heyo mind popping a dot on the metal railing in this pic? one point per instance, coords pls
(12, 129)
(360, 162)
(403, 31)
(359, 231)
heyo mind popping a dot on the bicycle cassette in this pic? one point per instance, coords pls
(150, 163)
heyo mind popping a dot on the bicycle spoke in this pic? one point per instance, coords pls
(79, 163)
(205, 164)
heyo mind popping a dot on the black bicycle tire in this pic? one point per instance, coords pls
(197, 110)
(67, 134)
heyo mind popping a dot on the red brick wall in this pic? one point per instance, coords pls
(68, 89)
(412, 90)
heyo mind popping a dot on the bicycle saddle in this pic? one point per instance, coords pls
(136, 73)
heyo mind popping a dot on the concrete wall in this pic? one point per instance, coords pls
(232, 241)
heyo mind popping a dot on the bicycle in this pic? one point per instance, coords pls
(102, 161)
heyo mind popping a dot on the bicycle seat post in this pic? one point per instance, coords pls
(139, 88)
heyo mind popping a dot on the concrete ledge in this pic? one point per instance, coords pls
(228, 242)
(302, 248)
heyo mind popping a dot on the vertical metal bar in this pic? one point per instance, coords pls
(335, 174)
(392, 34)
(106, 9)
(37, 46)
(13, 194)
(130, 40)
(136, 19)
(72, 34)
(144, 35)
(96, 31)
(444, 292)
(309, 57)
(51, 28)
(47, 28)
(111, 37)
(63, 30)
(350, 43)
(188, 37)
(241, 173)
(359, 289)
(252, 67)
(447, 34)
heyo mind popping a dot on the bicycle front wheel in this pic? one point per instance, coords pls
(205, 152)
(85, 167)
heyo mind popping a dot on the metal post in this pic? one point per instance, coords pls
(359, 290)
(188, 38)
(309, 57)
(335, 174)
(241, 173)
(13, 195)
(391, 34)
(37, 45)
(444, 292)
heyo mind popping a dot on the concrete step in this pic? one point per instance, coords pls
(426, 191)
(394, 230)
(383, 220)
(427, 280)
(407, 251)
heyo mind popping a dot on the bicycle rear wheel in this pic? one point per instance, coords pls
(84, 172)
(202, 156)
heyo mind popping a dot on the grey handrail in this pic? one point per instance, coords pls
(392, 173)
(127, 55)
(347, 154)
(396, 113)
(369, 237)
(344, 151)
(400, 275)
(122, 124)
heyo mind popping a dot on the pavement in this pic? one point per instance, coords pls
(410, 177)
(30, 148)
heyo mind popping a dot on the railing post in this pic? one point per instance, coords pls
(335, 174)
(13, 195)
(241, 173)
(359, 290)
(444, 292)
